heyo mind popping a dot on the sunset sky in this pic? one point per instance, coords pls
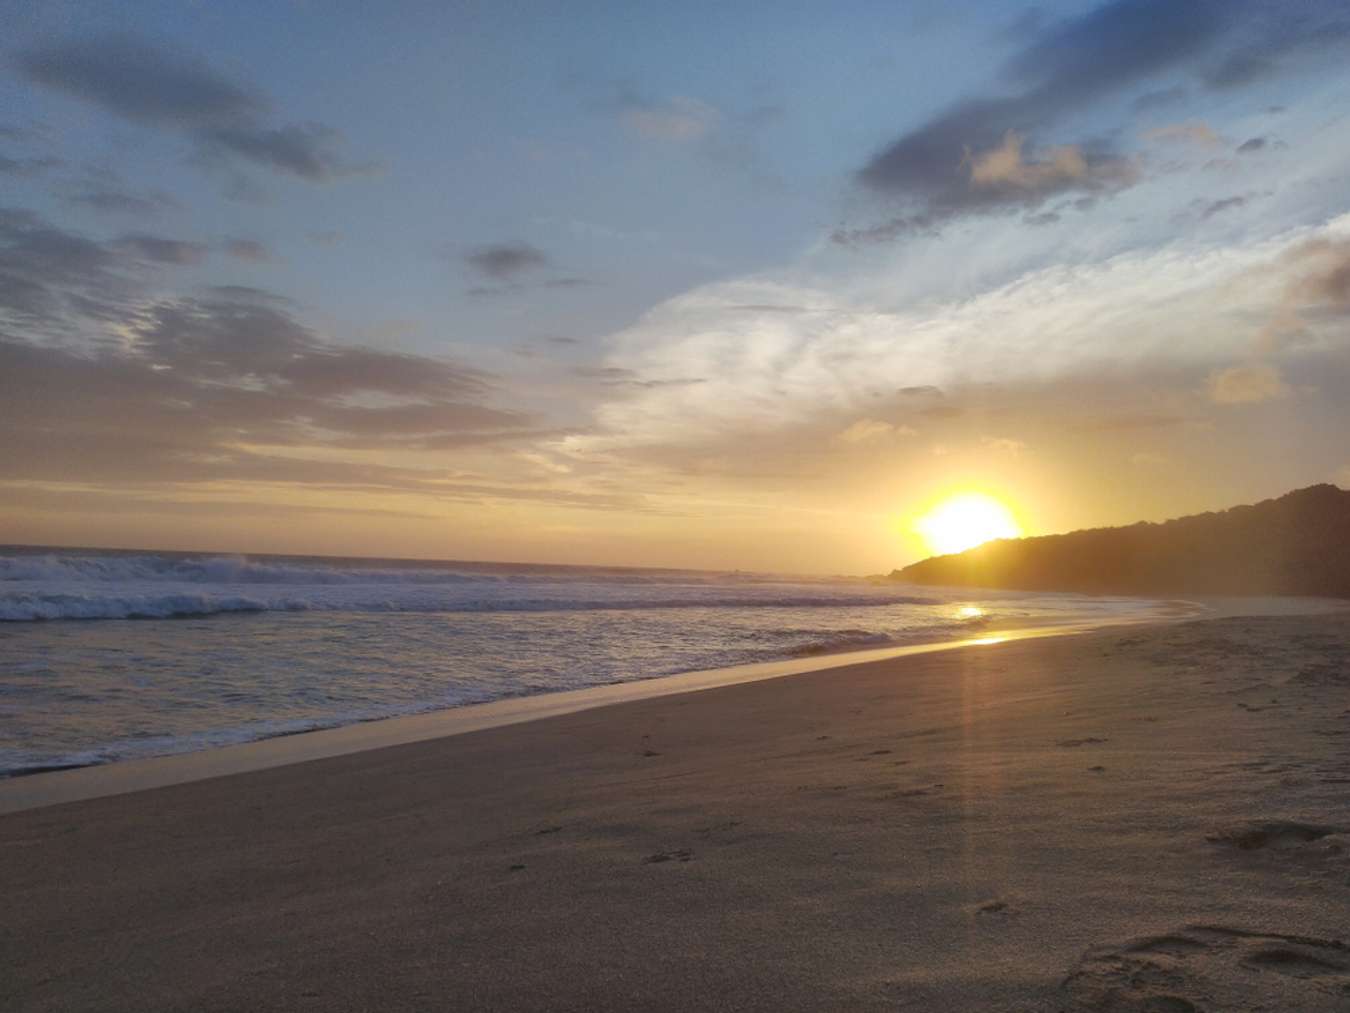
(716, 285)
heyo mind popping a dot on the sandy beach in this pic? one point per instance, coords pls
(1142, 819)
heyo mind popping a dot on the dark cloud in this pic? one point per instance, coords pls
(236, 339)
(1239, 69)
(199, 380)
(23, 135)
(161, 250)
(1160, 98)
(50, 277)
(617, 376)
(116, 201)
(329, 371)
(1323, 277)
(994, 153)
(506, 261)
(249, 294)
(513, 268)
(110, 417)
(1252, 145)
(1023, 26)
(133, 79)
(1219, 206)
(308, 151)
(1283, 39)
(1059, 73)
(246, 249)
(26, 168)
(156, 382)
(128, 77)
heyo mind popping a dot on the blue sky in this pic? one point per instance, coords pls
(724, 284)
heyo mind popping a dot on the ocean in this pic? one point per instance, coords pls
(109, 655)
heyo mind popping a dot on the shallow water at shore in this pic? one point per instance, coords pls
(111, 656)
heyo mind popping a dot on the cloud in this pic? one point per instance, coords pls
(872, 431)
(132, 79)
(1201, 134)
(1060, 168)
(138, 82)
(1247, 384)
(1219, 206)
(1251, 145)
(325, 237)
(1050, 84)
(1285, 34)
(246, 249)
(197, 385)
(678, 119)
(308, 151)
(1004, 445)
(161, 250)
(894, 323)
(34, 134)
(26, 168)
(109, 200)
(1006, 177)
(50, 277)
(1061, 72)
(615, 376)
(506, 261)
(1323, 273)
(1159, 98)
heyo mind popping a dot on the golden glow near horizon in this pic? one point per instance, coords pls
(964, 521)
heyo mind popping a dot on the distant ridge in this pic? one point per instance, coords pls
(1296, 544)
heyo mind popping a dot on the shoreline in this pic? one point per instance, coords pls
(61, 785)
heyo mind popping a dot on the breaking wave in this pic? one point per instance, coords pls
(153, 586)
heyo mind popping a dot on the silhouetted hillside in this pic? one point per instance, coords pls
(1296, 544)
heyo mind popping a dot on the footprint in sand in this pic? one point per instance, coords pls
(1272, 834)
(681, 855)
(1213, 967)
(995, 910)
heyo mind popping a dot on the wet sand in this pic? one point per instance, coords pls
(1143, 819)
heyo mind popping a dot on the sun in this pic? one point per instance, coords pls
(965, 521)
